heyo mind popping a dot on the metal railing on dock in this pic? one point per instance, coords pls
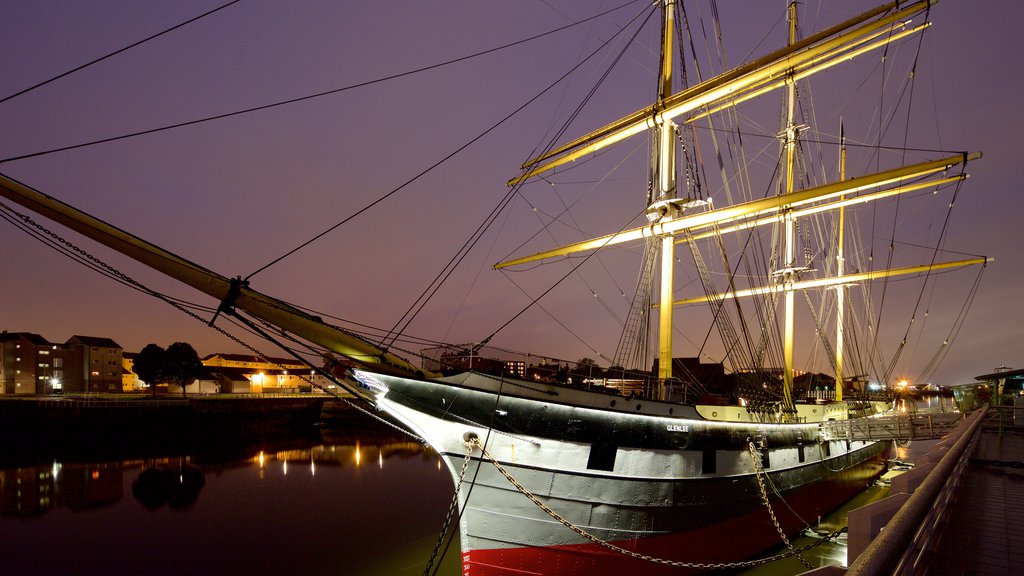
(86, 401)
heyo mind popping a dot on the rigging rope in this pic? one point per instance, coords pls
(71, 250)
(115, 53)
(452, 264)
(312, 96)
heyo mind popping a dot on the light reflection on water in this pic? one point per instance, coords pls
(368, 507)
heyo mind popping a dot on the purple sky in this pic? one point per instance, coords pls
(233, 194)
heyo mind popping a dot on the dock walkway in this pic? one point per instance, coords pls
(959, 513)
(983, 533)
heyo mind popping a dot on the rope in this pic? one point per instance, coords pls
(309, 96)
(116, 52)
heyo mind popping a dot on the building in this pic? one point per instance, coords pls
(29, 364)
(129, 381)
(245, 373)
(253, 362)
(515, 368)
(93, 365)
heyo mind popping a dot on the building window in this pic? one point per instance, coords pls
(94, 373)
(58, 362)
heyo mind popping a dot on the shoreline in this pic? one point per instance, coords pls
(41, 429)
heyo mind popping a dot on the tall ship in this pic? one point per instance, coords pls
(646, 473)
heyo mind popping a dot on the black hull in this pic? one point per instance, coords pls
(646, 476)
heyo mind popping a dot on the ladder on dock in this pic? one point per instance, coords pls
(900, 427)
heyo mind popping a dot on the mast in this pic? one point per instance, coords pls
(788, 273)
(840, 260)
(666, 188)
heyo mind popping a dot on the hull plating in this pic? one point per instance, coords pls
(649, 477)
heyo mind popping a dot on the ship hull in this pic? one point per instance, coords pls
(648, 477)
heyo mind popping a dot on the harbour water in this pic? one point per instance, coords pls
(360, 500)
(355, 503)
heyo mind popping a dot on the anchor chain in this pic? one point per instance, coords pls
(755, 458)
(452, 507)
(663, 561)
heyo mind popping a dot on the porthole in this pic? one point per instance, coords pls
(613, 403)
(637, 407)
(714, 414)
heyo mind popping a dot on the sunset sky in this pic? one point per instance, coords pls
(234, 194)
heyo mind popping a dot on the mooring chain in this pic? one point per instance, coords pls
(451, 509)
(755, 458)
(475, 442)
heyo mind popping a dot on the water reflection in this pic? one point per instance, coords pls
(354, 502)
(34, 491)
(177, 487)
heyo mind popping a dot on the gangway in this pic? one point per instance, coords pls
(920, 426)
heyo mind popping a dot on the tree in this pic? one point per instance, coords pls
(586, 369)
(149, 366)
(182, 365)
